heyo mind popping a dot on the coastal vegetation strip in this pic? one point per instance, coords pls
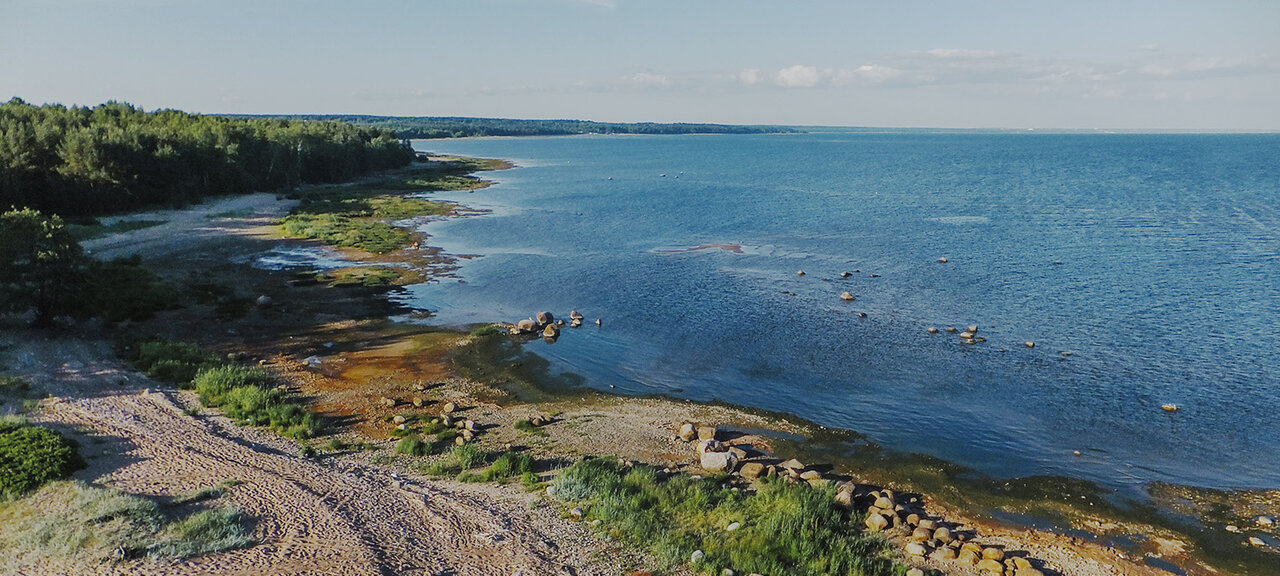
(778, 528)
(362, 215)
(459, 127)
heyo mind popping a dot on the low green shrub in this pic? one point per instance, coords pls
(412, 445)
(486, 330)
(528, 428)
(172, 362)
(31, 456)
(214, 384)
(785, 529)
(249, 396)
(504, 467)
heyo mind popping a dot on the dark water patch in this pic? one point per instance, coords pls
(1165, 565)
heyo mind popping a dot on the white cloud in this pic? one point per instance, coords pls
(799, 76)
(749, 77)
(867, 74)
(647, 79)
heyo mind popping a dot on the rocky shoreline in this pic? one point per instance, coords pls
(374, 360)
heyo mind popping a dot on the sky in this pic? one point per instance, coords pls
(1208, 65)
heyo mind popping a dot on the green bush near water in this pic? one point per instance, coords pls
(785, 529)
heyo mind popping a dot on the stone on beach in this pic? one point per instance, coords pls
(792, 464)
(707, 432)
(916, 549)
(687, 431)
(718, 461)
(448, 408)
(991, 566)
(876, 522)
(711, 445)
(751, 470)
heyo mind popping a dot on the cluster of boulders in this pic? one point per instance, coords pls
(467, 428)
(968, 336)
(545, 324)
(903, 519)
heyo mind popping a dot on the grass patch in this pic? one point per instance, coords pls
(249, 396)
(457, 461)
(173, 362)
(210, 493)
(413, 445)
(786, 529)
(371, 276)
(486, 330)
(528, 428)
(201, 533)
(31, 456)
(72, 521)
(341, 230)
(508, 465)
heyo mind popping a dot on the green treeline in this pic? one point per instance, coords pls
(115, 157)
(454, 127)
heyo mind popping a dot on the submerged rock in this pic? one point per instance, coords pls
(847, 297)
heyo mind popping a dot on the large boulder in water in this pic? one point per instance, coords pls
(527, 325)
(545, 318)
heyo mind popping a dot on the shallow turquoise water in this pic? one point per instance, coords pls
(1152, 260)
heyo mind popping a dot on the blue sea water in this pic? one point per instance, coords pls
(1146, 269)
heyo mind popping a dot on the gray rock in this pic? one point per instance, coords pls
(711, 446)
(696, 557)
(545, 318)
(687, 431)
(752, 470)
(718, 461)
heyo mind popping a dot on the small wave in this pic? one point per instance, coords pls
(961, 219)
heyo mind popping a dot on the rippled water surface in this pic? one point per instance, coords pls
(1146, 269)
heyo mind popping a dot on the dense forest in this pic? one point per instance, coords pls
(114, 157)
(453, 127)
